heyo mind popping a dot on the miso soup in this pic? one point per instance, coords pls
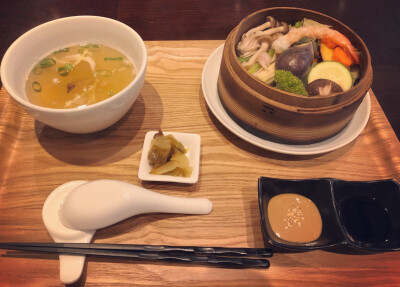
(77, 76)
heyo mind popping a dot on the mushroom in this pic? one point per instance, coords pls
(323, 87)
(269, 24)
(265, 60)
(249, 41)
(258, 40)
(249, 52)
(251, 44)
(266, 42)
(281, 29)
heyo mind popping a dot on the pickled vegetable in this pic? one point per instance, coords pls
(167, 156)
(178, 165)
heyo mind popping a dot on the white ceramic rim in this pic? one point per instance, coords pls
(28, 104)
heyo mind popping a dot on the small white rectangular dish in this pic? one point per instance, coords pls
(191, 142)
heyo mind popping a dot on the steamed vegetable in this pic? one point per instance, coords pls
(323, 87)
(244, 59)
(290, 57)
(311, 23)
(288, 82)
(333, 71)
(326, 52)
(332, 51)
(340, 56)
(254, 68)
(297, 60)
(267, 75)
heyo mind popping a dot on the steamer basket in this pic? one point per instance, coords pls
(288, 117)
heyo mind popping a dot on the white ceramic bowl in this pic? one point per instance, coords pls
(37, 43)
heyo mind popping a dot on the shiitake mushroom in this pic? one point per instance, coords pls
(323, 87)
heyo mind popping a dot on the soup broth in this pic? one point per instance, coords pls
(78, 76)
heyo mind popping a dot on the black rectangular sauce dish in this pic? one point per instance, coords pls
(364, 215)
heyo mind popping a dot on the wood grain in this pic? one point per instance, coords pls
(35, 159)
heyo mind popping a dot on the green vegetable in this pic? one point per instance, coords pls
(47, 62)
(90, 46)
(297, 24)
(62, 71)
(334, 71)
(61, 51)
(271, 52)
(113, 59)
(312, 23)
(87, 46)
(286, 81)
(37, 70)
(69, 66)
(246, 59)
(254, 68)
(36, 86)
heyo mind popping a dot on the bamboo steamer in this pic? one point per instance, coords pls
(287, 117)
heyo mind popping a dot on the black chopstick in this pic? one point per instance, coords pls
(223, 251)
(217, 256)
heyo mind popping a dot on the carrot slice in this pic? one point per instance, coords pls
(341, 56)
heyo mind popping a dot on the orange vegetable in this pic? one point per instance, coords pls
(341, 56)
(326, 52)
(329, 43)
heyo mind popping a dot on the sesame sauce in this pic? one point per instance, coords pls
(294, 218)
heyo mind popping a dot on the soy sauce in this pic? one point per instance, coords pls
(366, 220)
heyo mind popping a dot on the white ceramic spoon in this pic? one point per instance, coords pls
(101, 203)
(71, 266)
(74, 211)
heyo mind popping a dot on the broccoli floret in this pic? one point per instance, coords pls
(288, 82)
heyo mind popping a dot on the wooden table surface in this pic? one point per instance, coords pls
(35, 159)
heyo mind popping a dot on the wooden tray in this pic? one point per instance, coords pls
(35, 159)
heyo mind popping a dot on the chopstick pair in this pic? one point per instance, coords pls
(216, 256)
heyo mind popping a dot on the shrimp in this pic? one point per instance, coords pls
(295, 34)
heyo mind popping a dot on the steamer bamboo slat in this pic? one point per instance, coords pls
(35, 159)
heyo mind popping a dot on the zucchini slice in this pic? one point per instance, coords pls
(334, 71)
